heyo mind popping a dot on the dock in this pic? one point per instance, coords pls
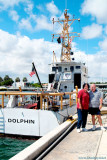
(72, 146)
(84, 145)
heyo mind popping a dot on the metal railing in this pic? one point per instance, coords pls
(45, 98)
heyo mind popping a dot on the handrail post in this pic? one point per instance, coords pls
(61, 103)
(20, 89)
(41, 101)
(76, 94)
(2, 101)
(70, 100)
(44, 103)
(47, 102)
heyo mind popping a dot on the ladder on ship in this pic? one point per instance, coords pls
(2, 124)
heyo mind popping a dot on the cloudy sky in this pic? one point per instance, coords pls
(25, 36)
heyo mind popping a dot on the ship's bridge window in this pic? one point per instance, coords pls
(53, 68)
(59, 69)
(65, 69)
(71, 68)
(78, 67)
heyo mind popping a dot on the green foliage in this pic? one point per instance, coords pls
(6, 78)
(17, 79)
(1, 79)
(98, 82)
(36, 85)
(25, 79)
(7, 81)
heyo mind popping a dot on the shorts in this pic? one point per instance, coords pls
(94, 111)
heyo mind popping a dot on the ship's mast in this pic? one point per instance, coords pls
(65, 37)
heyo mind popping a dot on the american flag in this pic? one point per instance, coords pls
(32, 72)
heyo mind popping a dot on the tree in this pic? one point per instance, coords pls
(17, 79)
(98, 82)
(8, 82)
(6, 78)
(1, 79)
(36, 85)
(24, 79)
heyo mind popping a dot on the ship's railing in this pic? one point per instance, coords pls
(45, 98)
(55, 98)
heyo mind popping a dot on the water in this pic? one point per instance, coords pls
(6, 98)
(10, 147)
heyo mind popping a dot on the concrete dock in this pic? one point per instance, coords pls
(84, 145)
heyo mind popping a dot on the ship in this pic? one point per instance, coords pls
(34, 114)
(67, 73)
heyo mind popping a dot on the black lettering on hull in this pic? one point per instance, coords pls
(28, 121)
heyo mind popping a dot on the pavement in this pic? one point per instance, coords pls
(82, 146)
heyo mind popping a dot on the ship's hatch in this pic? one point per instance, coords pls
(77, 80)
(51, 77)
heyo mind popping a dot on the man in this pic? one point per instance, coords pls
(95, 106)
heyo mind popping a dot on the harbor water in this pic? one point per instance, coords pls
(11, 146)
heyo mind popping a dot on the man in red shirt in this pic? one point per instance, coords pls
(82, 107)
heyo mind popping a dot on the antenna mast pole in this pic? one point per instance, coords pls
(66, 36)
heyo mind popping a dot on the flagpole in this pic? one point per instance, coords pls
(37, 74)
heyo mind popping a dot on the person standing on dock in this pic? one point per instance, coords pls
(95, 105)
(82, 107)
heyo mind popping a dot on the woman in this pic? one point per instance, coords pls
(82, 107)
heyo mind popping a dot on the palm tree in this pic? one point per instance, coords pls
(17, 79)
(25, 79)
(6, 78)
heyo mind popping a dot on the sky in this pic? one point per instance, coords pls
(25, 36)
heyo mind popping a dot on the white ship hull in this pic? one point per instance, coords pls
(27, 122)
(31, 122)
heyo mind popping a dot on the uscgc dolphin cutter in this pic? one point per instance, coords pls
(42, 112)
